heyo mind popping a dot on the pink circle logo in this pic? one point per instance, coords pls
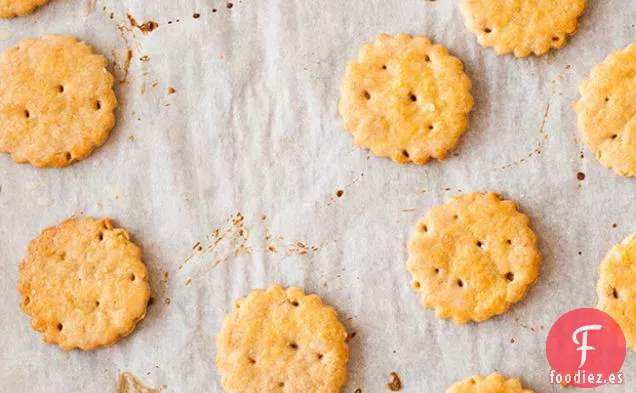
(586, 348)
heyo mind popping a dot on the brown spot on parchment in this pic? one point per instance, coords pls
(196, 15)
(128, 383)
(144, 58)
(512, 341)
(171, 91)
(614, 225)
(396, 384)
(580, 176)
(146, 27)
(229, 5)
(341, 192)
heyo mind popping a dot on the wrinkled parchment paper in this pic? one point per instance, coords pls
(237, 169)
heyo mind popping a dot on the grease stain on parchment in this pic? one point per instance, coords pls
(234, 239)
(396, 384)
(128, 383)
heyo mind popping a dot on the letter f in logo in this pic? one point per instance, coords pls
(583, 344)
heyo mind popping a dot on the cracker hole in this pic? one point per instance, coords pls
(133, 277)
(98, 105)
(293, 346)
(100, 236)
(427, 58)
(488, 30)
(27, 114)
(412, 97)
(27, 301)
(471, 381)
(367, 95)
(384, 67)
(614, 136)
(509, 241)
(60, 88)
(96, 303)
(455, 217)
(460, 283)
(436, 270)
(68, 156)
(510, 276)
(556, 38)
(615, 293)
(606, 99)
(424, 228)
(431, 127)
(281, 384)
(251, 360)
(60, 327)
(294, 303)
(480, 244)
(416, 285)
(405, 153)
(320, 356)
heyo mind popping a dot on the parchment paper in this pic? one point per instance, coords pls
(253, 129)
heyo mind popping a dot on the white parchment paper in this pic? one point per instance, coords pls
(253, 129)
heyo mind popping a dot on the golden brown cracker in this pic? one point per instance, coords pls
(607, 111)
(11, 8)
(616, 287)
(57, 103)
(473, 257)
(83, 284)
(493, 383)
(282, 340)
(522, 27)
(406, 99)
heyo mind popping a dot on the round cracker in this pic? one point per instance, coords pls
(522, 27)
(616, 287)
(406, 99)
(282, 340)
(607, 111)
(11, 8)
(493, 383)
(473, 257)
(83, 284)
(57, 103)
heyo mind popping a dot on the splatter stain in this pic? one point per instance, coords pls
(146, 27)
(128, 383)
(234, 239)
(229, 5)
(512, 341)
(339, 193)
(144, 58)
(196, 15)
(614, 225)
(396, 384)
(580, 176)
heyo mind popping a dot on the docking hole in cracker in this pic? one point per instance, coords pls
(616, 287)
(57, 103)
(406, 99)
(606, 111)
(493, 383)
(83, 284)
(473, 257)
(282, 340)
(522, 28)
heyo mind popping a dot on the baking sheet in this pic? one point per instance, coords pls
(251, 139)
